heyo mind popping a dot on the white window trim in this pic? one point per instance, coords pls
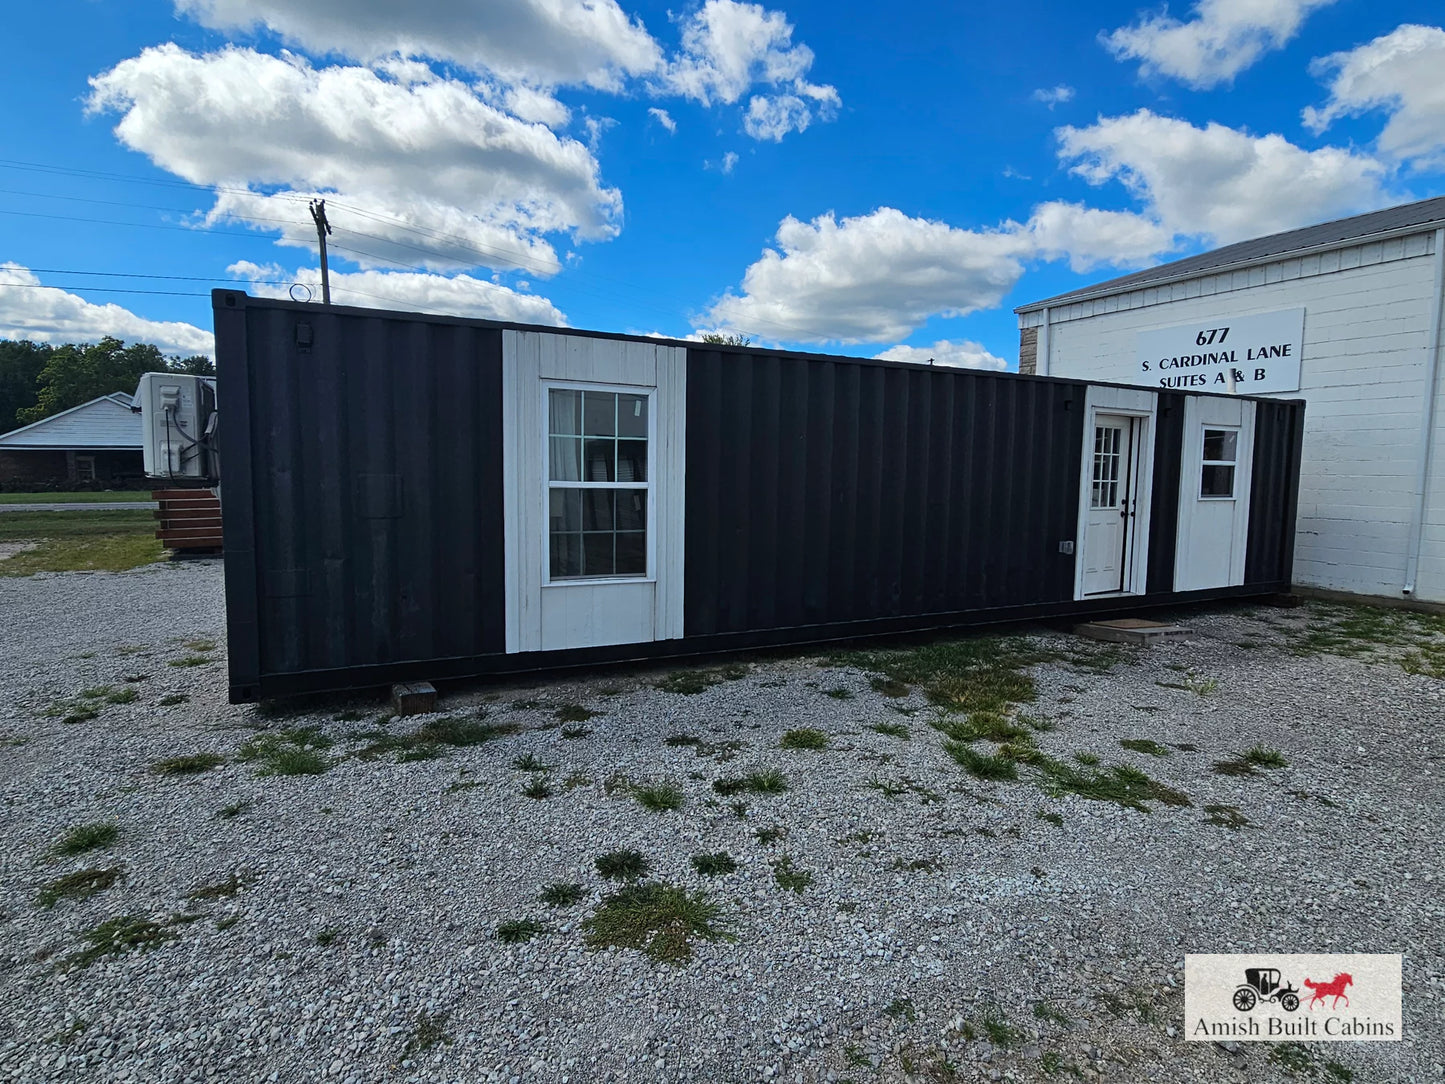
(549, 386)
(1238, 432)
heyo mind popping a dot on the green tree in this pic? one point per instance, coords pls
(79, 372)
(20, 367)
(735, 339)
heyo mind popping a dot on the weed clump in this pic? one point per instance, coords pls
(625, 865)
(806, 737)
(766, 781)
(127, 933)
(86, 837)
(659, 919)
(78, 886)
(289, 752)
(519, 930)
(562, 894)
(574, 713)
(981, 765)
(658, 797)
(692, 682)
(1144, 745)
(893, 730)
(789, 877)
(714, 865)
(191, 764)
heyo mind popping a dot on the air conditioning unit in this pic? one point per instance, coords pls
(178, 416)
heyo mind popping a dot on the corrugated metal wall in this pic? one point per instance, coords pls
(823, 491)
(1274, 490)
(362, 489)
(1164, 513)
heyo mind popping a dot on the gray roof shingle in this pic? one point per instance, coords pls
(1426, 214)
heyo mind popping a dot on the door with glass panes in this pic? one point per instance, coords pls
(1112, 500)
(594, 436)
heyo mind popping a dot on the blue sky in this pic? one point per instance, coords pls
(857, 177)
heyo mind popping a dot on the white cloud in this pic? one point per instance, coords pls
(869, 279)
(461, 182)
(530, 42)
(729, 161)
(456, 295)
(1087, 237)
(50, 315)
(1222, 39)
(1221, 183)
(531, 104)
(730, 47)
(880, 276)
(664, 118)
(965, 355)
(1052, 96)
(1399, 73)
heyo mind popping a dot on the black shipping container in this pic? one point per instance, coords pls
(414, 497)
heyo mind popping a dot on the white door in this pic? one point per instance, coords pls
(1218, 456)
(1110, 518)
(594, 440)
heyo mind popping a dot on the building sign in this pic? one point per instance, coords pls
(1261, 352)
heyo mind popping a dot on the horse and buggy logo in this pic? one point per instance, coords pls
(1266, 984)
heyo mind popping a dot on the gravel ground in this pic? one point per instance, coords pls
(357, 942)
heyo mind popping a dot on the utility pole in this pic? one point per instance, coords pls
(318, 215)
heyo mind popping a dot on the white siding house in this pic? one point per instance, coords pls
(1369, 291)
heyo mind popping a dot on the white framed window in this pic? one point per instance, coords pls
(599, 482)
(1221, 458)
(1108, 451)
(85, 468)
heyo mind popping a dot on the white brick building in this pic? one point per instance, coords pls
(1355, 305)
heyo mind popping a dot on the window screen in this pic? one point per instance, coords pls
(1216, 478)
(598, 483)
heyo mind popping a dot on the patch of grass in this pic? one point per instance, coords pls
(199, 645)
(901, 1008)
(86, 837)
(806, 737)
(1088, 760)
(789, 877)
(562, 894)
(288, 752)
(1226, 816)
(980, 726)
(572, 733)
(126, 933)
(981, 765)
(917, 865)
(235, 809)
(1044, 1011)
(692, 682)
(428, 740)
(888, 789)
(659, 797)
(528, 762)
(519, 930)
(770, 835)
(329, 936)
(1144, 745)
(172, 699)
(575, 780)
(221, 890)
(889, 686)
(714, 865)
(82, 496)
(996, 1026)
(624, 865)
(740, 810)
(1122, 784)
(1250, 761)
(839, 693)
(101, 541)
(537, 788)
(893, 730)
(191, 764)
(574, 713)
(766, 781)
(225, 922)
(428, 1030)
(1056, 819)
(78, 885)
(128, 695)
(660, 919)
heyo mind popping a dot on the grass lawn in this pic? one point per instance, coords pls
(80, 541)
(88, 497)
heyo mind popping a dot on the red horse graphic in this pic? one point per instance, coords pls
(1334, 988)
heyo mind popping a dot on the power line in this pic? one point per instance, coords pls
(142, 275)
(98, 289)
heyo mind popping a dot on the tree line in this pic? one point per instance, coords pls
(40, 379)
